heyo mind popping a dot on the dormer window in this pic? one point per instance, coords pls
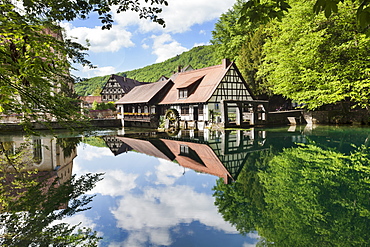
(188, 87)
(183, 93)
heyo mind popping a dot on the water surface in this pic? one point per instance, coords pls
(291, 186)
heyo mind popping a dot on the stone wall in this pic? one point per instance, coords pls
(286, 117)
(338, 117)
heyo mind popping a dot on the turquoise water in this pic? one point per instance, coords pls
(290, 186)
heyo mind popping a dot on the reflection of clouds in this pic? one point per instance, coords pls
(152, 205)
(77, 219)
(153, 236)
(115, 183)
(167, 172)
(249, 245)
(253, 235)
(159, 209)
(91, 153)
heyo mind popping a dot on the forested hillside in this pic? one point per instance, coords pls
(198, 57)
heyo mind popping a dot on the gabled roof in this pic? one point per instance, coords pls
(162, 78)
(211, 163)
(143, 93)
(210, 79)
(190, 82)
(126, 83)
(143, 146)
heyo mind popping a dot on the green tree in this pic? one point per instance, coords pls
(242, 203)
(229, 35)
(94, 105)
(97, 91)
(34, 79)
(243, 43)
(33, 204)
(250, 59)
(315, 60)
(317, 197)
(303, 196)
(264, 11)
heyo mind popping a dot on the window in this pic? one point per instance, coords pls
(185, 110)
(184, 149)
(190, 153)
(200, 110)
(183, 93)
(152, 109)
(37, 152)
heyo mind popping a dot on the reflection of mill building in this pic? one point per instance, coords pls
(221, 155)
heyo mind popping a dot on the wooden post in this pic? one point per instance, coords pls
(224, 113)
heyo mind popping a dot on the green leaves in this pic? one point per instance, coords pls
(328, 6)
(263, 11)
(301, 196)
(317, 61)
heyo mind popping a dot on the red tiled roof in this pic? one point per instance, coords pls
(190, 82)
(144, 93)
(212, 76)
(212, 165)
(91, 99)
(143, 146)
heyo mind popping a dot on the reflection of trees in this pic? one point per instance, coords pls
(304, 196)
(68, 144)
(31, 202)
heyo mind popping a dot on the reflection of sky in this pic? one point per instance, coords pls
(144, 201)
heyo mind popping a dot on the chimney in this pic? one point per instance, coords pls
(179, 68)
(226, 63)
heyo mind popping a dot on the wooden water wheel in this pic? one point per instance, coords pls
(172, 118)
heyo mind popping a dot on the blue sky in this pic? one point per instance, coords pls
(134, 43)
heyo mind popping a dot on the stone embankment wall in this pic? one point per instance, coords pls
(99, 123)
(338, 117)
(286, 117)
(318, 117)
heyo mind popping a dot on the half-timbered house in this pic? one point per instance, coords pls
(116, 87)
(216, 94)
(140, 106)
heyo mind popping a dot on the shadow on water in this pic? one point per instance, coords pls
(38, 191)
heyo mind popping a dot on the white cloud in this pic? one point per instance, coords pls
(200, 44)
(249, 245)
(167, 172)
(164, 47)
(179, 16)
(100, 40)
(76, 220)
(203, 32)
(115, 183)
(91, 153)
(157, 210)
(98, 71)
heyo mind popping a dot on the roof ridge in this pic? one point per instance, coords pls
(197, 70)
